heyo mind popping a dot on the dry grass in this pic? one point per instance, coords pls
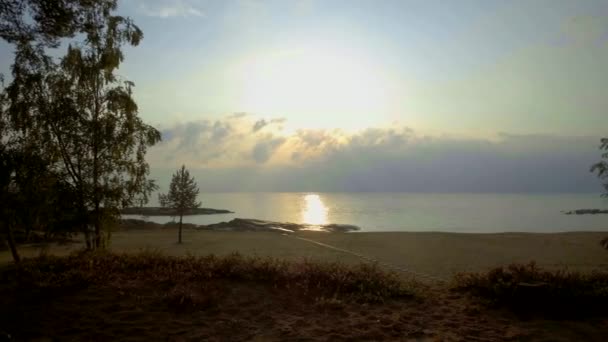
(527, 288)
(152, 297)
(364, 282)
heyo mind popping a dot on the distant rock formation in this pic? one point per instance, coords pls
(586, 212)
(241, 225)
(158, 211)
(258, 225)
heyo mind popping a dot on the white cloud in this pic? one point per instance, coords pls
(171, 9)
(231, 155)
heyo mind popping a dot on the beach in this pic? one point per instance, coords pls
(426, 255)
(261, 311)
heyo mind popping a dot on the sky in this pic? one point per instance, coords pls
(305, 95)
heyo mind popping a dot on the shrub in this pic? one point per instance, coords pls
(530, 289)
(365, 282)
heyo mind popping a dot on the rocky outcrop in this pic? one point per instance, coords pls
(241, 225)
(158, 211)
(258, 225)
(586, 212)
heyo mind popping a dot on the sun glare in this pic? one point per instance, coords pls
(314, 211)
(313, 81)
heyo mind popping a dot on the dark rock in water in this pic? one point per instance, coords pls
(339, 228)
(158, 211)
(586, 212)
(239, 224)
(604, 242)
(128, 224)
(133, 224)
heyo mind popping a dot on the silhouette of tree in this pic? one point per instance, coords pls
(181, 196)
(8, 199)
(43, 22)
(602, 166)
(77, 112)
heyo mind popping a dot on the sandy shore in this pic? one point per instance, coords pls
(246, 311)
(437, 255)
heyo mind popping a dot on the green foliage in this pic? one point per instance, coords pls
(182, 193)
(365, 283)
(77, 112)
(529, 289)
(181, 196)
(46, 21)
(602, 166)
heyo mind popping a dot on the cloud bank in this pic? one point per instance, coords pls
(242, 153)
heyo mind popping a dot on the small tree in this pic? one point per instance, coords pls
(602, 172)
(181, 197)
(602, 166)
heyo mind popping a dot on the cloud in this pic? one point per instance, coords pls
(228, 155)
(264, 149)
(170, 9)
(258, 125)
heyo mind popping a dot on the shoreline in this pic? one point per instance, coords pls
(249, 224)
(243, 225)
(159, 211)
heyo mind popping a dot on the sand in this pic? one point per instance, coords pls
(437, 255)
(257, 312)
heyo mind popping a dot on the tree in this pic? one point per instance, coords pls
(42, 21)
(7, 196)
(78, 112)
(181, 197)
(602, 166)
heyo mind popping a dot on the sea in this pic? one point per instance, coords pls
(383, 212)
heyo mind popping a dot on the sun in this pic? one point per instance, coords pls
(311, 80)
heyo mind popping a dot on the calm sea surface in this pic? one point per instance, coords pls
(411, 211)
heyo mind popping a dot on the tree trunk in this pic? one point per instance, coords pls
(97, 220)
(87, 237)
(11, 244)
(179, 238)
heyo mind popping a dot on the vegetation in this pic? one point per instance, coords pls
(527, 288)
(181, 197)
(366, 283)
(601, 167)
(71, 117)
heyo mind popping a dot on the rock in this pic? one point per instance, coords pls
(239, 224)
(586, 212)
(158, 211)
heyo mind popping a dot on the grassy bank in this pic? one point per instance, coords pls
(363, 282)
(526, 288)
(152, 297)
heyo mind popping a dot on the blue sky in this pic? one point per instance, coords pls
(465, 67)
(355, 90)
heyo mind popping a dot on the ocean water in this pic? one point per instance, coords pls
(454, 212)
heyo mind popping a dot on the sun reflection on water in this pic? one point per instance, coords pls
(314, 211)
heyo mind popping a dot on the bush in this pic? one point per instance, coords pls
(367, 283)
(530, 289)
